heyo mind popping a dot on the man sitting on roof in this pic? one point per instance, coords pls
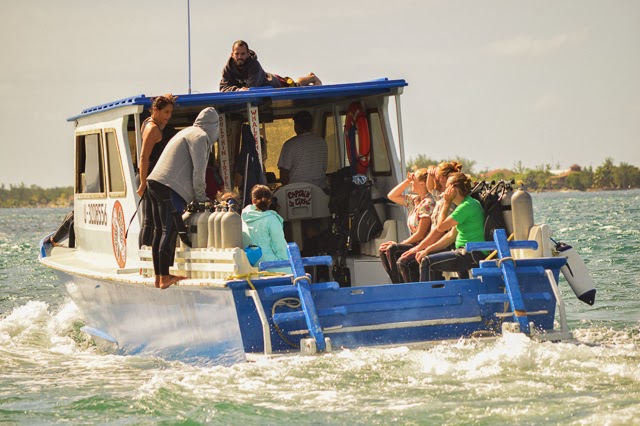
(244, 71)
(303, 157)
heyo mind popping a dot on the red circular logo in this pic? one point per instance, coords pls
(117, 234)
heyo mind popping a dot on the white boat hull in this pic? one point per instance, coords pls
(187, 323)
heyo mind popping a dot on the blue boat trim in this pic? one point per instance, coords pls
(259, 95)
(98, 333)
(507, 268)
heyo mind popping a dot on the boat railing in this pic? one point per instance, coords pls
(509, 268)
(204, 263)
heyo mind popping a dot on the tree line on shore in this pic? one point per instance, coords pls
(35, 196)
(545, 178)
(541, 178)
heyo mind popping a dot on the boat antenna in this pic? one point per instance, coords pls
(189, 39)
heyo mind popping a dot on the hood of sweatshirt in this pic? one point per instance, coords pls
(208, 121)
(252, 214)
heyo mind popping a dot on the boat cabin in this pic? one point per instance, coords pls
(108, 143)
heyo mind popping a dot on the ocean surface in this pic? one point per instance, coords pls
(50, 373)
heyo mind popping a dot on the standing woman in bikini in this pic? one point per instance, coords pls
(153, 143)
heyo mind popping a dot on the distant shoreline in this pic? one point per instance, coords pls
(537, 191)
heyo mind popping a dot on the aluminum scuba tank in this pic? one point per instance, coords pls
(193, 226)
(505, 202)
(217, 223)
(211, 237)
(186, 218)
(231, 224)
(203, 229)
(522, 214)
(522, 217)
(576, 274)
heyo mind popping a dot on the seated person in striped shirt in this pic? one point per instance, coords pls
(303, 157)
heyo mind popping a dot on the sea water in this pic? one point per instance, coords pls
(50, 372)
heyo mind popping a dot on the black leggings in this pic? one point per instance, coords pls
(459, 260)
(66, 230)
(408, 269)
(167, 207)
(146, 214)
(389, 259)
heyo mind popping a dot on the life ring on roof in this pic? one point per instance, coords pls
(356, 122)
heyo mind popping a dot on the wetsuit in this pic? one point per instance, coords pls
(146, 213)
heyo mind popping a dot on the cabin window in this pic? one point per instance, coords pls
(276, 134)
(131, 137)
(89, 170)
(380, 164)
(114, 173)
(333, 143)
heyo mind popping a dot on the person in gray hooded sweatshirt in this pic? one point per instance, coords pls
(177, 179)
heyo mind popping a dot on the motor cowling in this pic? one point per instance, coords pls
(576, 273)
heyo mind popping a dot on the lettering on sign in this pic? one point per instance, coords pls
(299, 197)
(224, 154)
(255, 130)
(95, 214)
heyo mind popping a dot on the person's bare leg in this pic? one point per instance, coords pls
(167, 281)
(308, 80)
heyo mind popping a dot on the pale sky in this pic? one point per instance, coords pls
(494, 81)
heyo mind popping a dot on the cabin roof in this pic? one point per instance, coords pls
(290, 96)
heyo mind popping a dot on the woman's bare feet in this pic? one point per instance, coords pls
(316, 81)
(309, 80)
(167, 281)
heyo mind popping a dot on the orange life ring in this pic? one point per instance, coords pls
(360, 158)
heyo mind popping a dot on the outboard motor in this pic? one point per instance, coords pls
(576, 274)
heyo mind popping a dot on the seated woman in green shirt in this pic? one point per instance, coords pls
(465, 224)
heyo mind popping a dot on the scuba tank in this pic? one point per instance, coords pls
(521, 213)
(505, 202)
(522, 218)
(217, 227)
(186, 218)
(203, 229)
(576, 273)
(211, 237)
(193, 225)
(231, 224)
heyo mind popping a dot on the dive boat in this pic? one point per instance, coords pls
(337, 295)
